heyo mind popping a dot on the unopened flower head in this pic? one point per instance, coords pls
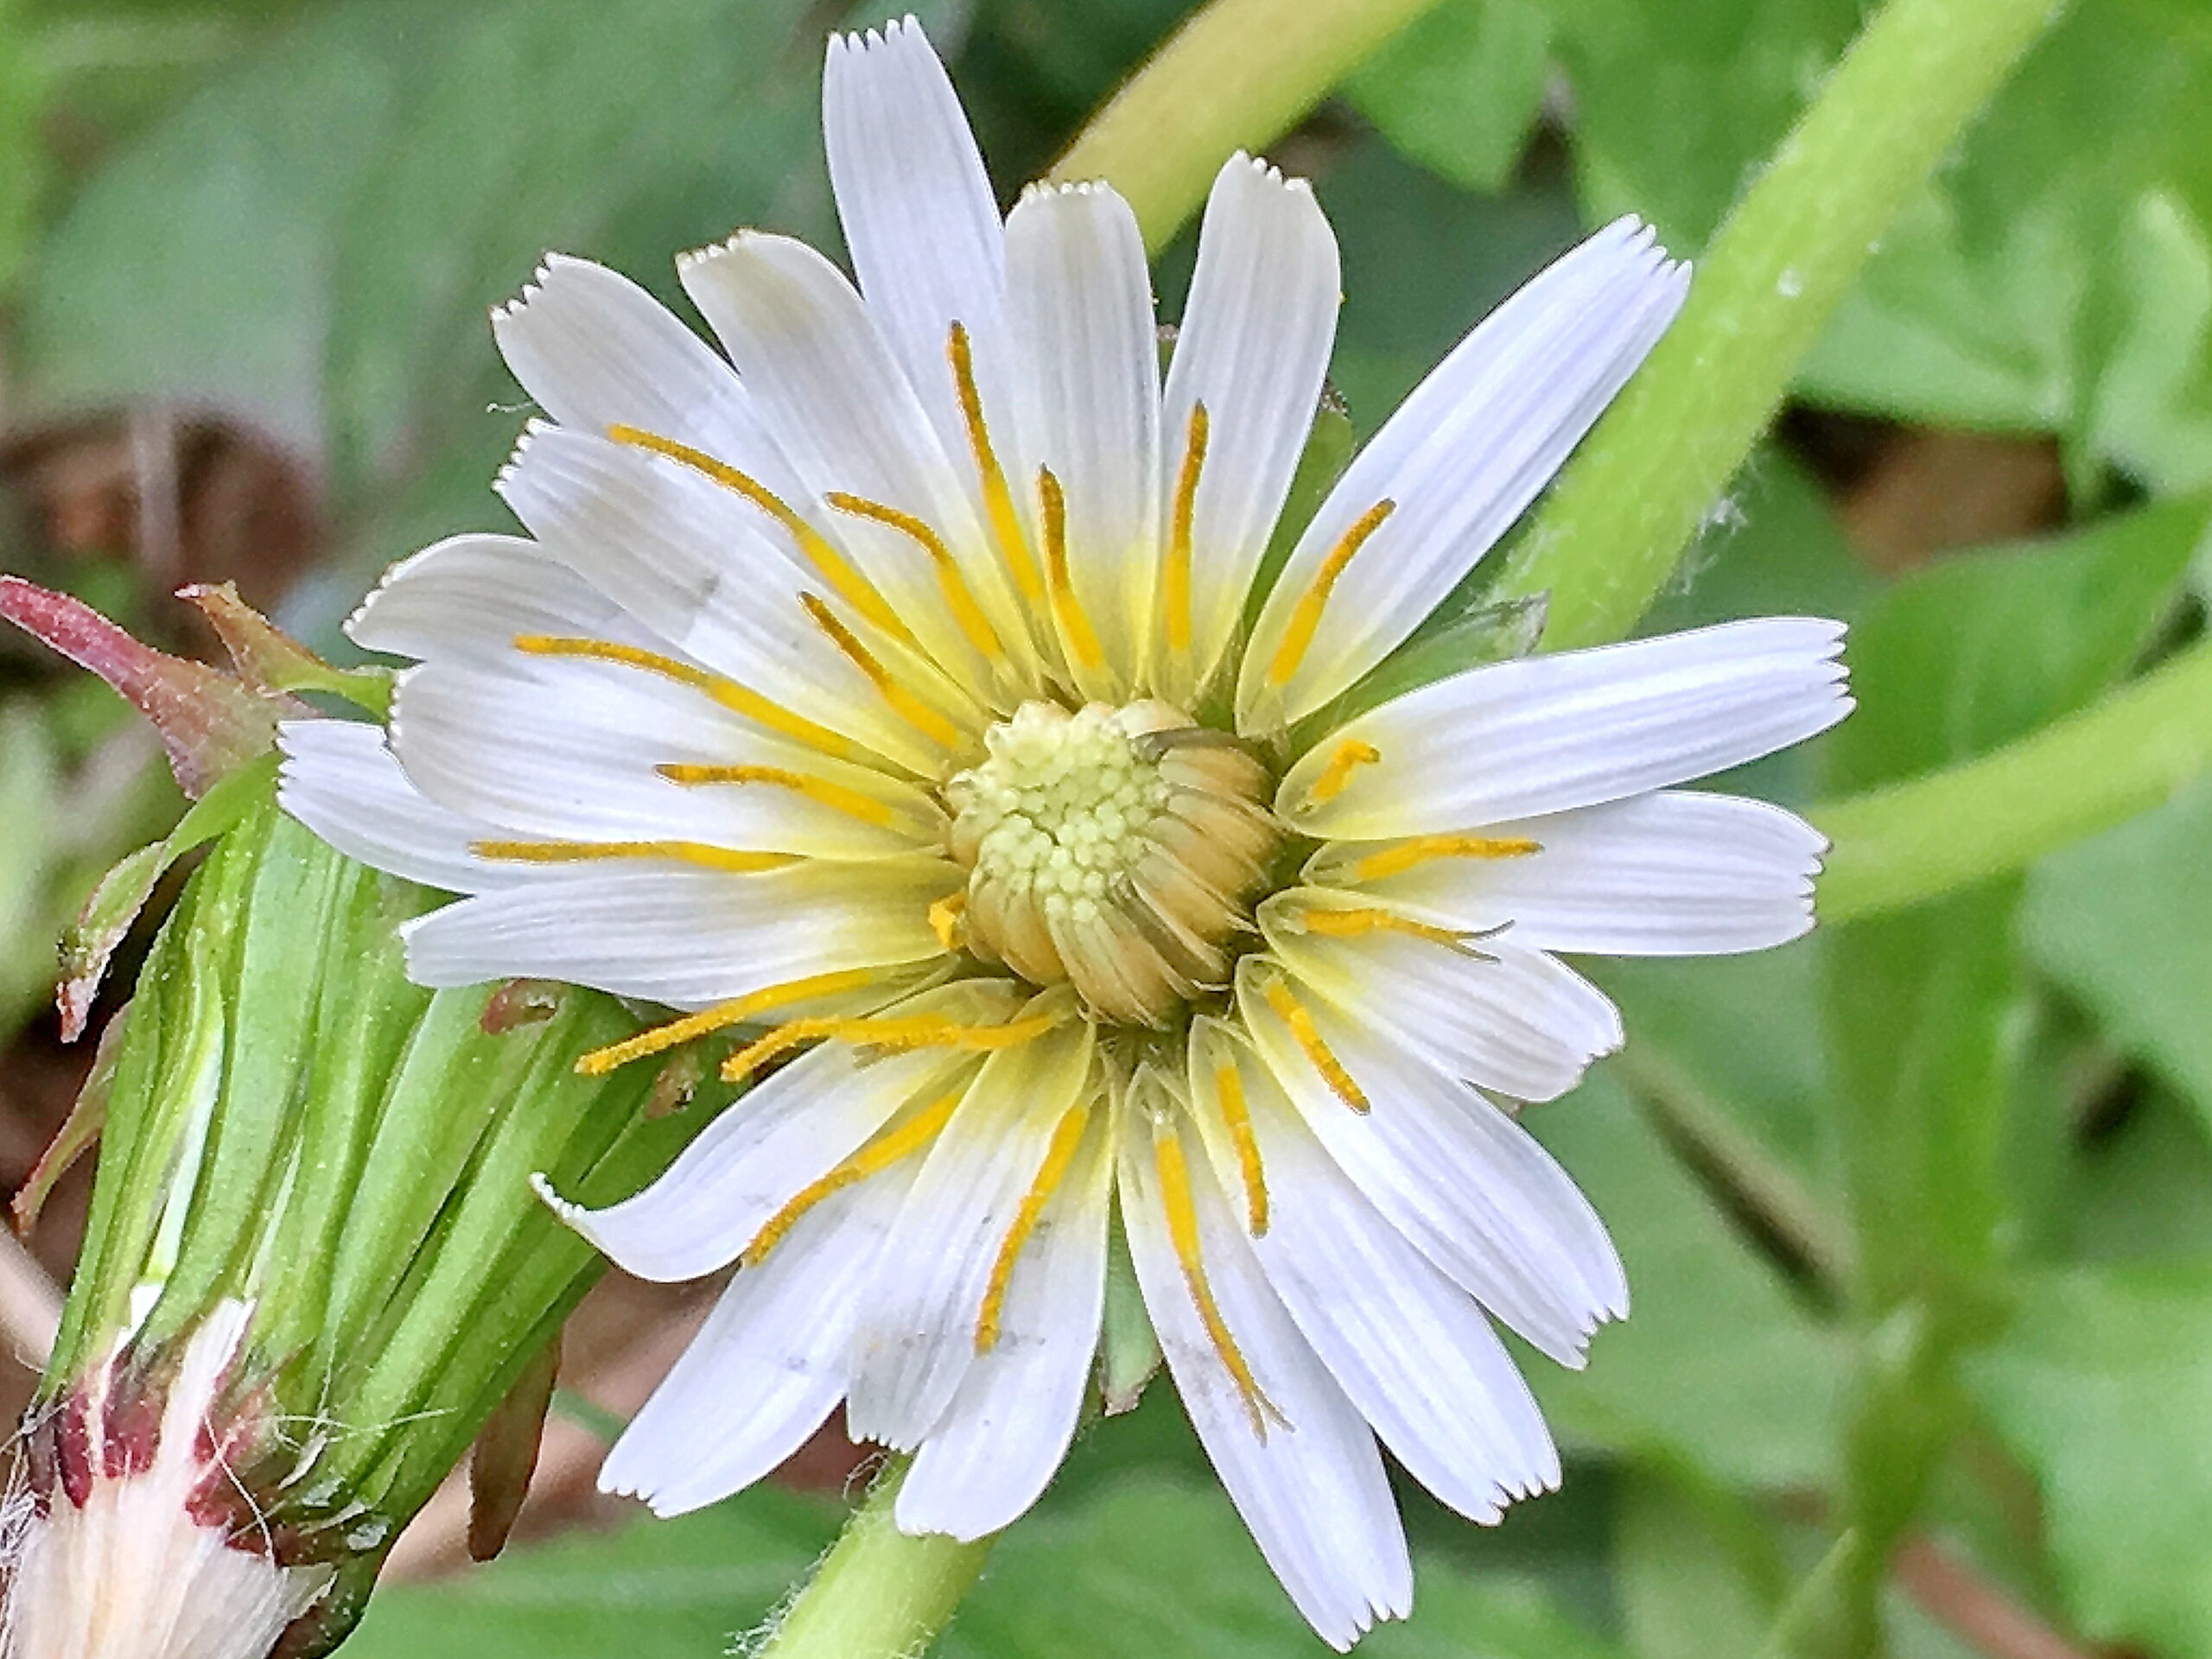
(911, 692)
(136, 1544)
(313, 1266)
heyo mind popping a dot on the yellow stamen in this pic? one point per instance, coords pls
(1229, 1084)
(855, 588)
(1075, 627)
(944, 919)
(1351, 755)
(1407, 854)
(909, 1138)
(1183, 1233)
(1175, 577)
(707, 1021)
(728, 693)
(1066, 1138)
(998, 498)
(1305, 617)
(895, 1032)
(580, 852)
(1354, 923)
(837, 797)
(1300, 1018)
(904, 704)
(965, 611)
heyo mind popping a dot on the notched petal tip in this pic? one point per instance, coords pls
(568, 1211)
(552, 266)
(691, 258)
(894, 35)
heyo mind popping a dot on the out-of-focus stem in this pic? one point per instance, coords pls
(1238, 75)
(1997, 814)
(1629, 504)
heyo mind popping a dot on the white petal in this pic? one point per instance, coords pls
(565, 748)
(470, 595)
(1469, 1187)
(823, 377)
(920, 218)
(1311, 1487)
(1501, 1014)
(595, 350)
(1254, 349)
(1543, 734)
(767, 1367)
(340, 781)
(1412, 1350)
(789, 1131)
(1463, 455)
(1079, 305)
(917, 1337)
(682, 936)
(688, 559)
(998, 1444)
(1670, 874)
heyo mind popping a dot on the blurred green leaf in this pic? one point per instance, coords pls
(1747, 1094)
(1962, 657)
(1918, 1004)
(2104, 1389)
(1698, 1575)
(681, 1587)
(1981, 649)
(29, 800)
(1423, 261)
(1719, 1368)
(2057, 277)
(1676, 103)
(22, 156)
(2139, 1189)
(1147, 1565)
(331, 217)
(1460, 90)
(2124, 923)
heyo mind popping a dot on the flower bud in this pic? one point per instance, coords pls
(315, 1265)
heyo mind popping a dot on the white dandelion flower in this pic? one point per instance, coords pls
(897, 688)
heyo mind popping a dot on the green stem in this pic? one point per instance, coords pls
(1631, 502)
(878, 1593)
(1237, 75)
(1988, 817)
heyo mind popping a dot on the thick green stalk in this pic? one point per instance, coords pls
(2000, 813)
(1630, 503)
(1238, 75)
(878, 1593)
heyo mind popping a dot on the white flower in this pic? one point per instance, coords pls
(899, 683)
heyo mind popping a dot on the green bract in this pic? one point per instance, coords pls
(293, 1126)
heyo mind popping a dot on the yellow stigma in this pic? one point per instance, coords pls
(1175, 574)
(1306, 616)
(1115, 850)
(852, 587)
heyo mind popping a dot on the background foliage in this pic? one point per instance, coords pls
(1918, 1213)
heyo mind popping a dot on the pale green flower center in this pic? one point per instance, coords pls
(1058, 811)
(1113, 849)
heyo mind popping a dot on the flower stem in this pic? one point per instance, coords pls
(878, 1593)
(1628, 505)
(1237, 74)
(2000, 813)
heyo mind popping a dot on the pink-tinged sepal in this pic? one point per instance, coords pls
(272, 664)
(211, 725)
